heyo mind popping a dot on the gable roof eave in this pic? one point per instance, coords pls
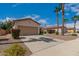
(26, 19)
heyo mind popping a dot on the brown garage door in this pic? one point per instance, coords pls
(26, 30)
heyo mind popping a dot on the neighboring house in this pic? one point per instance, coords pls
(27, 26)
(53, 28)
(70, 30)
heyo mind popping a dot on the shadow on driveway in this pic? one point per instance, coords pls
(42, 39)
(48, 40)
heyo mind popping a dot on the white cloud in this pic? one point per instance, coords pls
(51, 25)
(77, 13)
(1, 20)
(67, 14)
(60, 10)
(7, 19)
(43, 21)
(72, 7)
(15, 5)
(33, 16)
(75, 9)
(71, 25)
(67, 6)
(10, 18)
(27, 16)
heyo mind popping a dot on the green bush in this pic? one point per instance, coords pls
(74, 34)
(15, 50)
(15, 33)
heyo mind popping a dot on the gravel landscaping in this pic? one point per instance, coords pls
(4, 44)
(60, 37)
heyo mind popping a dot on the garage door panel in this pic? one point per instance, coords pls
(28, 30)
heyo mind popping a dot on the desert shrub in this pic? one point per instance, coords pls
(57, 33)
(74, 34)
(45, 32)
(15, 33)
(15, 50)
(77, 31)
(41, 31)
(51, 31)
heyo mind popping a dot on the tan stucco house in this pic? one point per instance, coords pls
(54, 29)
(27, 26)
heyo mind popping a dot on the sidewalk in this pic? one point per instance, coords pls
(69, 48)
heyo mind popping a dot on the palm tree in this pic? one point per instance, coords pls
(65, 21)
(75, 19)
(62, 6)
(57, 9)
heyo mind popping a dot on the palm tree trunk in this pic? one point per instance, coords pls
(57, 22)
(62, 18)
(74, 26)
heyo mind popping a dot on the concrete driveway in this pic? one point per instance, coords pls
(68, 48)
(39, 43)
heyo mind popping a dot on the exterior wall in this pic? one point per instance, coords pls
(55, 29)
(70, 31)
(59, 30)
(27, 27)
(26, 23)
(26, 30)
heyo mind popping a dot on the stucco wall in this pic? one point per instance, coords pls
(27, 27)
(27, 23)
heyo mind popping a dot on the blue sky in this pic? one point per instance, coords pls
(41, 12)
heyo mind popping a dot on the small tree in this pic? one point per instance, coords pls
(7, 25)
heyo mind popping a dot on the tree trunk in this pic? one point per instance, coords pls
(62, 18)
(57, 22)
(74, 26)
